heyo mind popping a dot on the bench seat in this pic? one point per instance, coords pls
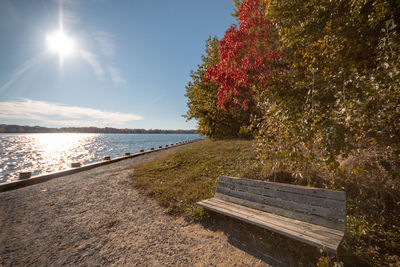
(298, 212)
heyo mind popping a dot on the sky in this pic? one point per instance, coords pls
(122, 64)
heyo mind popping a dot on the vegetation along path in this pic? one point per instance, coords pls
(97, 218)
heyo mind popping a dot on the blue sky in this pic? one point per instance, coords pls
(128, 69)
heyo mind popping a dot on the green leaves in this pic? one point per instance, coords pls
(340, 74)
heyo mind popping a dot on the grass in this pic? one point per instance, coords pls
(181, 178)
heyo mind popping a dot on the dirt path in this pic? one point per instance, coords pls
(96, 218)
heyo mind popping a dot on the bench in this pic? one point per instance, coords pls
(311, 215)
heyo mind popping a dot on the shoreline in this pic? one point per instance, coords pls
(12, 185)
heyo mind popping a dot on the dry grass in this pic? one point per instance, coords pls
(181, 178)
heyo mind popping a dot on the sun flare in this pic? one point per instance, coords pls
(61, 44)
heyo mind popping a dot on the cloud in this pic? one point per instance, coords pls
(156, 100)
(27, 65)
(116, 75)
(63, 115)
(94, 62)
(108, 49)
(106, 43)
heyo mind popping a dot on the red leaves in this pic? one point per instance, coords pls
(245, 55)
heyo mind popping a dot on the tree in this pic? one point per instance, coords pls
(247, 56)
(213, 122)
(338, 86)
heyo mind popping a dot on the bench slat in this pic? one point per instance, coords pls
(274, 223)
(313, 229)
(284, 212)
(323, 202)
(321, 211)
(304, 190)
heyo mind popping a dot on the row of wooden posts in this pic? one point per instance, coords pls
(28, 174)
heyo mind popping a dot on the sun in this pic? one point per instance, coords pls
(60, 43)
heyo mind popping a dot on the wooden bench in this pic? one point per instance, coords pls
(311, 215)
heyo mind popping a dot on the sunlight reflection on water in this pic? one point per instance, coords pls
(43, 153)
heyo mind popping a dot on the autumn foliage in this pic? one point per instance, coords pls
(213, 121)
(246, 55)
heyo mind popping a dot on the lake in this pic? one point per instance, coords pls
(49, 152)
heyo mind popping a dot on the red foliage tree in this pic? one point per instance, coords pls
(246, 55)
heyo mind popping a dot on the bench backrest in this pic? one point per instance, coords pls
(314, 205)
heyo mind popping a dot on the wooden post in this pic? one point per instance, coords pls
(25, 175)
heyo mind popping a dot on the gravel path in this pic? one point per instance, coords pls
(97, 218)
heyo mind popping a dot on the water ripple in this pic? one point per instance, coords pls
(43, 153)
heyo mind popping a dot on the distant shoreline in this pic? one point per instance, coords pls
(6, 128)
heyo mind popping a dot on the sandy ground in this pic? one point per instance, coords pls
(96, 218)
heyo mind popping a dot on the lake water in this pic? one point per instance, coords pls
(49, 152)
